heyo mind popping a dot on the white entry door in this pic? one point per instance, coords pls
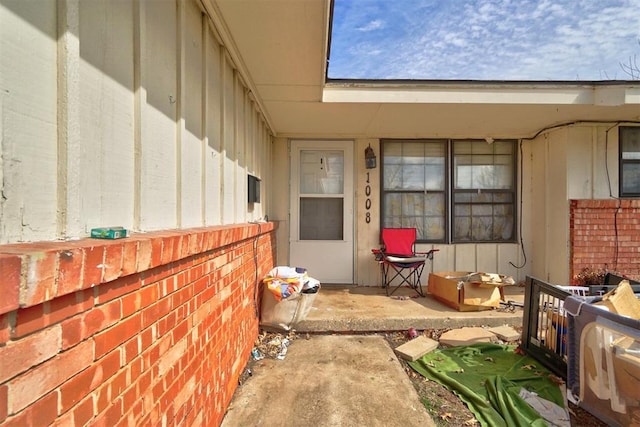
(321, 233)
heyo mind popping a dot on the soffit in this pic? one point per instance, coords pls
(282, 45)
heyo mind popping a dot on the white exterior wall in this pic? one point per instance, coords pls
(122, 113)
(575, 162)
(488, 257)
(468, 257)
(106, 117)
(557, 166)
(156, 102)
(28, 120)
(280, 197)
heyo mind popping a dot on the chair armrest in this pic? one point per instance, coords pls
(428, 254)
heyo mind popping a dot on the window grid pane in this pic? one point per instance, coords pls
(629, 161)
(482, 189)
(484, 195)
(414, 179)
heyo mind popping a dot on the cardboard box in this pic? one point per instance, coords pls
(465, 291)
(622, 301)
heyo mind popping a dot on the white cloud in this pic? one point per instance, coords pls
(484, 39)
(376, 24)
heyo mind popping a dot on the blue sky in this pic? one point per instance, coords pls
(484, 39)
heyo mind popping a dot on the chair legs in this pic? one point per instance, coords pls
(408, 274)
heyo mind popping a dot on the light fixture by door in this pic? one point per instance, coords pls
(369, 158)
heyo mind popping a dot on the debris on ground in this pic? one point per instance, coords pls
(416, 348)
(439, 400)
(506, 333)
(244, 376)
(466, 336)
(272, 345)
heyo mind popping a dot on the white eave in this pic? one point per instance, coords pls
(429, 93)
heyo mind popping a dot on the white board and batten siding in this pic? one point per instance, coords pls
(28, 120)
(122, 113)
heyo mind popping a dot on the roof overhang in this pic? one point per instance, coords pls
(281, 46)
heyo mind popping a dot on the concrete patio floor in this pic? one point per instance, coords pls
(340, 376)
(369, 309)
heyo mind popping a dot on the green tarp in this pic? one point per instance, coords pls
(488, 378)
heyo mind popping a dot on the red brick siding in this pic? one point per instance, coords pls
(146, 330)
(605, 234)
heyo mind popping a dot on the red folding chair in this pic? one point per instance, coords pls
(398, 259)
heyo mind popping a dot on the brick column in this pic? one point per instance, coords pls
(605, 234)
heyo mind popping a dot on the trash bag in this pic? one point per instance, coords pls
(285, 281)
(288, 297)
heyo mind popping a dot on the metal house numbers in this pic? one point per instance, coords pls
(367, 202)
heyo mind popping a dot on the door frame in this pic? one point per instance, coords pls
(349, 225)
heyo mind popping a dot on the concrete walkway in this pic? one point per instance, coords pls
(329, 380)
(344, 379)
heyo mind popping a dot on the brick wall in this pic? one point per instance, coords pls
(151, 329)
(605, 234)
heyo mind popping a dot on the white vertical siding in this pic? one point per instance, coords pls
(121, 113)
(508, 256)
(556, 207)
(537, 201)
(70, 145)
(158, 115)
(228, 141)
(191, 123)
(260, 163)
(280, 199)
(580, 160)
(106, 114)
(465, 258)
(213, 118)
(592, 162)
(240, 143)
(487, 257)
(577, 162)
(444, 259)
(28, 121)
(605, 161)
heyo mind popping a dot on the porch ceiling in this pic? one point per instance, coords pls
(281, 49)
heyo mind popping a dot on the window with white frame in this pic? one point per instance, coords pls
(629, 161)
(451, 191)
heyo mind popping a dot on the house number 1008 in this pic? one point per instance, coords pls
(367, 202)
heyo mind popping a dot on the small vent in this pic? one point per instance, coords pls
(253, 190)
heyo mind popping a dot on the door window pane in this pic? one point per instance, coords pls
(321, 218)
(321, 172)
